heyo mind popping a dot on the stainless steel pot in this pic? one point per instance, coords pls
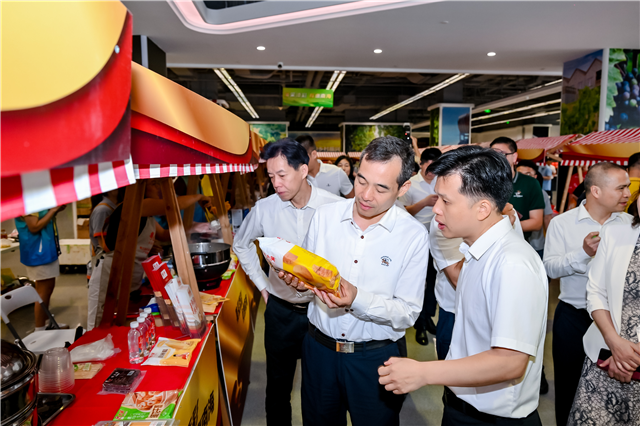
(210, 261)
(19, 390)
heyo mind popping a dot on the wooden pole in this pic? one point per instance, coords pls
(124, 257)
(261, 179)
(566, 189)
(221, 208)
(192, 189)
(580, 178)
(181, 252)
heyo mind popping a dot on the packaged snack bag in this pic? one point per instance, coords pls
(169, 352)
(148, 405)
(308, 267)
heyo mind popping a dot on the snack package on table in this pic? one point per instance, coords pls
(308, 267)
(148, 405)
(167, 422)
(169, 352)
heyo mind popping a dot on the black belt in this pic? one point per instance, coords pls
(300, 308)
(343, 345)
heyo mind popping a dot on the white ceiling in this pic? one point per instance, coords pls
(529, 38)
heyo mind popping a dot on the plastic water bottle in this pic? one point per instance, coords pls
(136, 343)
(144, 330)
(152, 327)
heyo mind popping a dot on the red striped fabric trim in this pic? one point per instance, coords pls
(153, 171)
(610, 137)
(543, 143)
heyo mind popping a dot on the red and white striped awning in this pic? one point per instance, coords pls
(330, 154)
(355, 155)
(544, 143)
(615, 146)
(36, 191)
(152, 171)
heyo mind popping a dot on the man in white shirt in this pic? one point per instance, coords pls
(286, 214)
(326, 176)
(381, 291)
(492, 371)
(572, 241)
(419, 201)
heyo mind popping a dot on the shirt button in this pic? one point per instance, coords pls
(346, 310)
(342, 334)
(362, 237)
(355, 261)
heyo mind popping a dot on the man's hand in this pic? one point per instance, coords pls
(292, 280)
(265, 295)
(591, 243)
(615, 373)
(348, 293)
(400, 375)
(509, 211)
(625, 353)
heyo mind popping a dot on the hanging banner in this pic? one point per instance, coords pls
(307, 97)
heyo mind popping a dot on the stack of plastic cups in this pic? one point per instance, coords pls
(56, 372)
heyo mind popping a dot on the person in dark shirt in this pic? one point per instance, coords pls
(527, 194)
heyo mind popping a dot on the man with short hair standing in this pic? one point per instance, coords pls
(526, 197)
(285, 214)
(633, 168)
(492, 370)
(419, 201)
(572, 241)
(381, 291)
(326, 176)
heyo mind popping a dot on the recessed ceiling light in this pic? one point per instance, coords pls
(377, 50)
(260, 47)
(491, 54)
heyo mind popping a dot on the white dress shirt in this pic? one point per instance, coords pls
(607, 277)
(272, 217)
(564, 256)
(419, 190)
(501, 301)
(388, 268)
(331, 178)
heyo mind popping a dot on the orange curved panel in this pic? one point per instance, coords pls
(53, 49)
(163, 100)
(57, 133)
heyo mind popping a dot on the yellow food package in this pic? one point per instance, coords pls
(169, 352)
(308, 267)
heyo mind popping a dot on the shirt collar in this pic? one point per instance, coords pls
(109, 202)
(486, 240)
(515, 178)
(388, 221)
(312, 203)
(583, 213)
(322, 166)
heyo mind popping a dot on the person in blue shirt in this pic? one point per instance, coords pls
(547, 177)
(39, 251)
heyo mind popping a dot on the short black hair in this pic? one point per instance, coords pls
(384, 148)
(295, 154)
(527, 163)
(345, 157)
(307, 142)
(430, 154)
(597, 173)
(634, 160)
(484, 173)
(507, 141)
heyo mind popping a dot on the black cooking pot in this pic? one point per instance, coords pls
(210, 261)
(19, 392)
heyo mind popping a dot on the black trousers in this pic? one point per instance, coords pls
(334, 383)
(444, 331)
(284, 330)
(460, 413)
(430, 302)
(569, 327)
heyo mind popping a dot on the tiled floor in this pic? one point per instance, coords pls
(422, 407)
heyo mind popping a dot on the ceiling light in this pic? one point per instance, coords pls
(335, 80)
(491, 54)
(377, 50)
(226, 78)
(487, 111)
(420, 95)
(511, 111)
(547, 84)
(260, 47)
(541, 114)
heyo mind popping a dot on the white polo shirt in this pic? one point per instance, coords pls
(331, 178)
(501, 301)
(272, 217)
(388, 268)
(564, 256)
(419, 190)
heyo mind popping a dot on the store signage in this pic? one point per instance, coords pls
(307, 97)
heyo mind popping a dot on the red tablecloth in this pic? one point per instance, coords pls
(90, 408)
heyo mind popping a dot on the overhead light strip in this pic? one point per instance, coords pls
(226, 78)
(511, 111)
(420, 95)
(335, 80)
(541, 114)
(547, 84)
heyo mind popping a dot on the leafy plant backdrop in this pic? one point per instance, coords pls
(623, 94)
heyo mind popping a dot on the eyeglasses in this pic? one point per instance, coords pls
(506, 154)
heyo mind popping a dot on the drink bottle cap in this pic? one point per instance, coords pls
(134, 324)
(140, 319)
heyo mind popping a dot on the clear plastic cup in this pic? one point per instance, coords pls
(56, 372)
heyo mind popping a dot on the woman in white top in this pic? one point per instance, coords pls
(612, 397)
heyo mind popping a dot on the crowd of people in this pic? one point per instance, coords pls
(470, 233)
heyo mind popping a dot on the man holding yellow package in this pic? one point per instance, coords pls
(286, 214)
(381, 254)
